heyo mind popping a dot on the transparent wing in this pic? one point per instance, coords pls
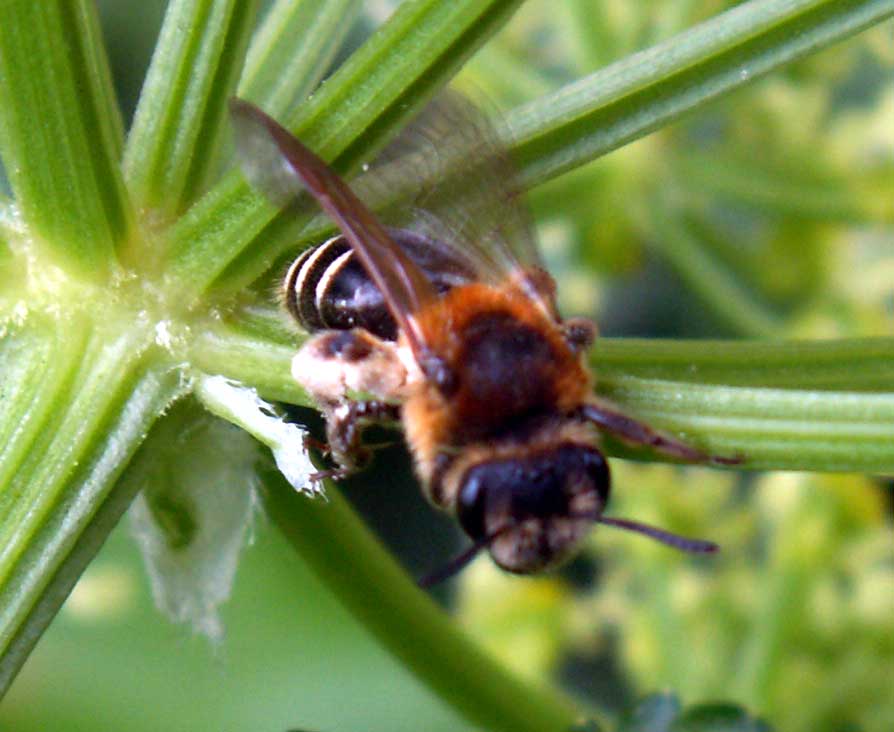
(283, 167)
(448, 177)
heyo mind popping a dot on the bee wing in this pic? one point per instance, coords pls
(465, 194)
(283, 167)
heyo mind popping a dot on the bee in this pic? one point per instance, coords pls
(449, 325)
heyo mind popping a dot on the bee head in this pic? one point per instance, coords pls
(532, 509)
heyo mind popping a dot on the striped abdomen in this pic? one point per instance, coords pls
(326, 288)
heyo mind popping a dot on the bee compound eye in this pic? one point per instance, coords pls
(597, 475)
(472, 503)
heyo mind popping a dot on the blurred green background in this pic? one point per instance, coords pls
(769, 214)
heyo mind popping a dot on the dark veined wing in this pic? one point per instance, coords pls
(274, 160)
(452, 181)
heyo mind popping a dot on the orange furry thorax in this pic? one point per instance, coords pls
(511, 363)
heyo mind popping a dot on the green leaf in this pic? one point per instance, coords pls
(293, 49)
(173, 145)
(412, 55)
(60, 132)
(650, 89)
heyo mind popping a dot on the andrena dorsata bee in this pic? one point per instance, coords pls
(448, 323)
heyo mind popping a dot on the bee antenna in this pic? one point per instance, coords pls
(684, 544)
(460, 561)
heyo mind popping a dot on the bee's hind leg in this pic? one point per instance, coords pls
(333, 365)
(344, 428)
(610, 418)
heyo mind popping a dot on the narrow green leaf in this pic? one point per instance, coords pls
(404, 619)
(82, 401)
(650, 89)
(173, 145)
(60, 131)
(293, 49)
(414, 53)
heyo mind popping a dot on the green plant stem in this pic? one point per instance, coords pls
(785, 405)
(362, 574)
(60, 133)
(650, 89)
(82, 400)
(407, 60)
(174, 142)
(153, 392)
(822, 406)
(858, 365)
(578, 123)
(249, 359)
(293, 49)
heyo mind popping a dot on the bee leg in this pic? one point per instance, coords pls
(609, 418)
(334, 363)
(312, 443)
(579, 333)
(344, 428)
